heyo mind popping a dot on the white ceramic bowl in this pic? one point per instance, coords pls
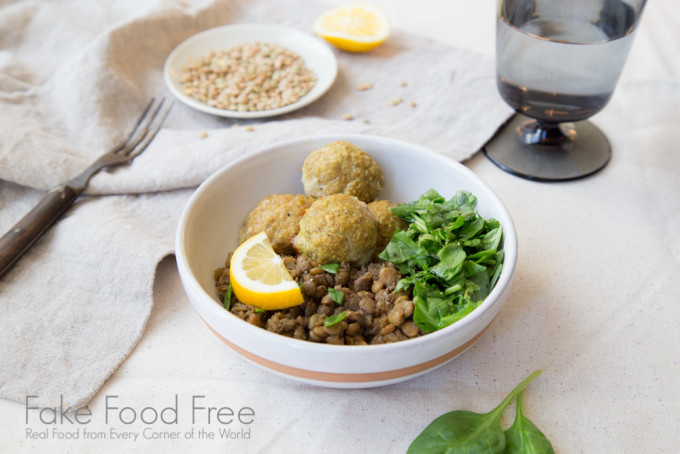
(208, 230)
(317, 56)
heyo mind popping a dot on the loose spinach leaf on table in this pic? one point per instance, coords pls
(523, 437)
(449, 254)
(466, 432)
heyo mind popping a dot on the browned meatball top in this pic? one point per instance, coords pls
(338, 228)
(342, 168)
(279, 216)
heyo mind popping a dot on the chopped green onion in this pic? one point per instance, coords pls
(227, 298)
(334, 319)
(331, 268)
(336, 295)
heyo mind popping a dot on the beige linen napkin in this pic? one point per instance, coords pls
(73, 78)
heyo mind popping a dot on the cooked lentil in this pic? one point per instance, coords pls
(374, 312)
(249, 77)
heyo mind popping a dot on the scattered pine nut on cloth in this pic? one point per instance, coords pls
(72, 82)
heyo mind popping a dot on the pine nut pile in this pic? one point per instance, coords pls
(249, 77)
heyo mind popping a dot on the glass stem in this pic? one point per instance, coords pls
(536, 132)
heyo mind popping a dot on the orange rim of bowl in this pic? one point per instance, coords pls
(336, 377)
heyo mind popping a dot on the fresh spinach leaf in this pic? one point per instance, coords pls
(336, 295)
(466, 432)
(480, 280)
(472, 226)
(450, 251)
(491, 239)
(451, 259)
(402, 248)
(465, 201)
(334, 319)
(486, 256)
(461, 312)
(498, 267)
(523, 437)
(425, 314)
(331, 268)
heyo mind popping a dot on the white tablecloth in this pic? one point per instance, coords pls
(594, 304)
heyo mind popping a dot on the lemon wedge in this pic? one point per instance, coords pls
(355, 27)
(259, 277)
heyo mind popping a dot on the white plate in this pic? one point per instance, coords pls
(316, 54)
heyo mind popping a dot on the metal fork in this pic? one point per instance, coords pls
(57, 201)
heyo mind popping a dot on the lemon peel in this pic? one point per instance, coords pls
(259, 277)
(354, 27)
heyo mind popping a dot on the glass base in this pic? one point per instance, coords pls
(586, 152)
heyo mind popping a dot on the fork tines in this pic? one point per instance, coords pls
(146, 128)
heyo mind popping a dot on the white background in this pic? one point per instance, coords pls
(595, 302)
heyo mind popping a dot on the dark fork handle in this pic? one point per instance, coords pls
(36, 222)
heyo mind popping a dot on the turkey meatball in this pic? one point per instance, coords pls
(279, 216)
(342, 168)
(338, 228)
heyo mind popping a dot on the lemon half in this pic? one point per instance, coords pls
(259, 277)
(355, 27)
